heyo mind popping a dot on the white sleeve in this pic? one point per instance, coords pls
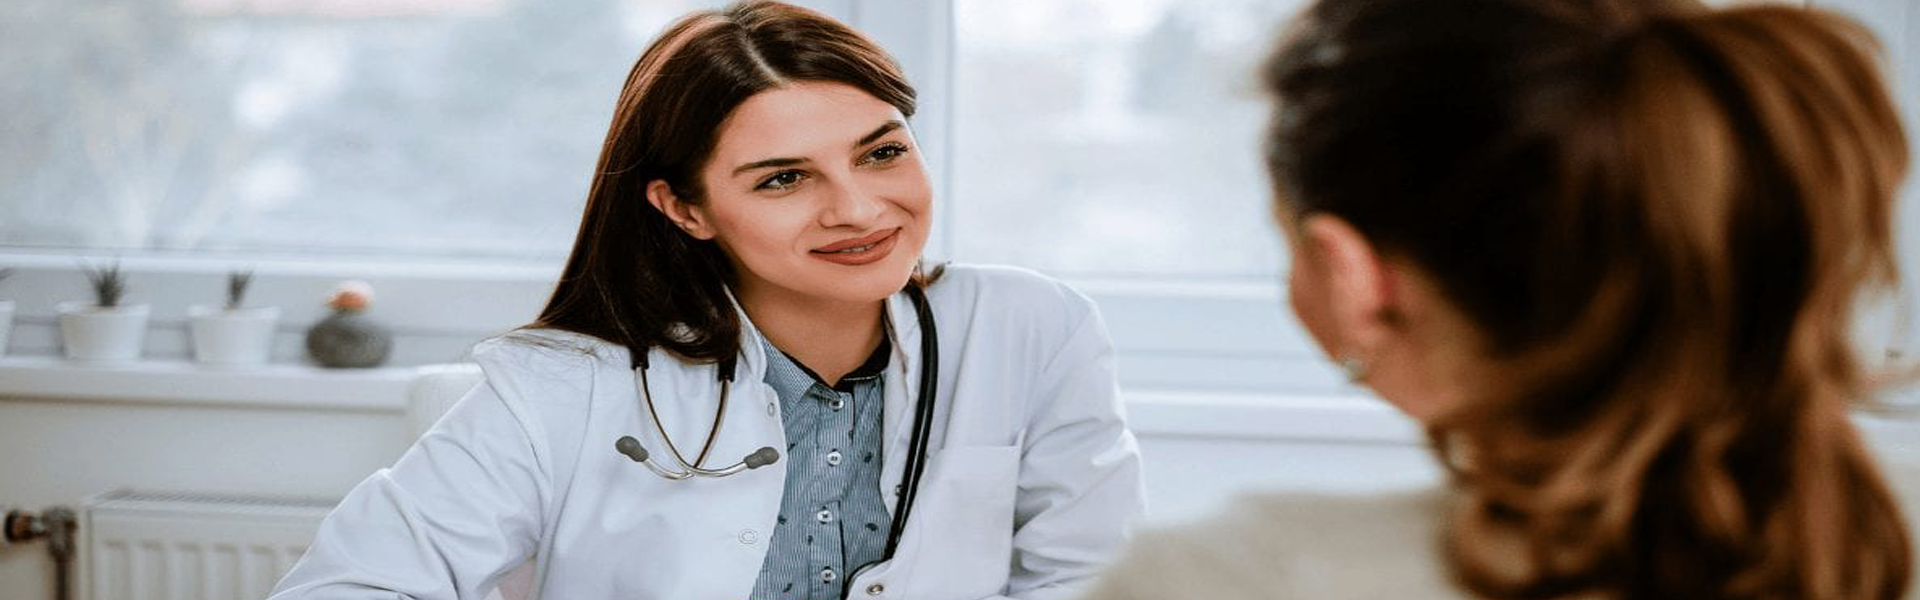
(1080, 487)
(459, 509)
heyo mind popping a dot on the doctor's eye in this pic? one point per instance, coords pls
(781, 180)
(885, 153)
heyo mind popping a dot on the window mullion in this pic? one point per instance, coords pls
(920, 35)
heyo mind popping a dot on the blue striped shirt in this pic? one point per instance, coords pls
(832, 518)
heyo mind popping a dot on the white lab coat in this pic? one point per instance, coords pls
(1032, 484)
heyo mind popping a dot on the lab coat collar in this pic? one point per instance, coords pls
(902, 388)
(753, 353)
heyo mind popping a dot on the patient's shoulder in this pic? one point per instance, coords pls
(1292, 545)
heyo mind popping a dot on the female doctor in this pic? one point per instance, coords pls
(745, 387)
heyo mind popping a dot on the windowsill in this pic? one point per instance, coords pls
(1160, 413)
(284, 386)
(1229, 335)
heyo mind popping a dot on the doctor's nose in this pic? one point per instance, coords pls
(850, 204)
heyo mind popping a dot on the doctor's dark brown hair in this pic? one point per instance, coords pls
(1660, 218)
(634, 278)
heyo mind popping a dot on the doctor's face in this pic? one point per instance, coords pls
(817, 191)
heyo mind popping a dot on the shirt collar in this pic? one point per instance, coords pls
(875, 365)
(902, 332)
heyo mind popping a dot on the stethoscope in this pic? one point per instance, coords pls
(766, 455)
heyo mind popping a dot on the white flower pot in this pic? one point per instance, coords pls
(6, 324)
(99, 334)
(232, 337)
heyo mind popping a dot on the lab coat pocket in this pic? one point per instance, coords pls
(965, 517)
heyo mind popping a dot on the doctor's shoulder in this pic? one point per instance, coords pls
(1014, 297)
(543, 366)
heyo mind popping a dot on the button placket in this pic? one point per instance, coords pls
(828, 423)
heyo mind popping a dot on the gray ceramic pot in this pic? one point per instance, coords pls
(349, 340)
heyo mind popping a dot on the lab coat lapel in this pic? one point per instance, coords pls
(900, 388)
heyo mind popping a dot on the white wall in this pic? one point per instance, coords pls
(59, 450)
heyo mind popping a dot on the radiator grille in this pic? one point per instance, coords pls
(193, 546)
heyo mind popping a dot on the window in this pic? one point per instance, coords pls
(420, 128)
(1112, 142)
(1087, 137)
(1113, 138)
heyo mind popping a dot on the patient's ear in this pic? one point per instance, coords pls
(1357, 287)
(691, 218)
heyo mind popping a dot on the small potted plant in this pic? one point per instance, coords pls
(104, 329)
(233, 334)
(6, 314)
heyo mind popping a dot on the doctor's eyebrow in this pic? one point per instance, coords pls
(771, 162)
(877, 133)
(882, 130)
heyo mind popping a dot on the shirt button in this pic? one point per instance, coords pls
(827, 574)
(833, 458)
(749, 537)
(876, 589)
(824, 516)
(836, 404)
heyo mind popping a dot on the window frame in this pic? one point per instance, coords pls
(1233, 334)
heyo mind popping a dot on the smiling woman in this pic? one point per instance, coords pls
(814, 207)
(740, 125)
(747, 276)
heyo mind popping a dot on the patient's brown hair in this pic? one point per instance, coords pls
(1660, 217)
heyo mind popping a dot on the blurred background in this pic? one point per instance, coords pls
(440, 151)
(1080, 137)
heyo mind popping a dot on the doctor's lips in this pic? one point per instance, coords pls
(859, 251)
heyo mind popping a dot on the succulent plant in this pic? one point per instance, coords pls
(109, 284)
(352, 296)
(237, 282)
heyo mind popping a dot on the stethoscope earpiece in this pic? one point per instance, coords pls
(766, 455)
(631, 448)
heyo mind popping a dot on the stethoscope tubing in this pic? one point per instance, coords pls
(916, 464)
(912, 471)
(719, 422)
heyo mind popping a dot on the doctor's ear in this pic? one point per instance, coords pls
(687, 216)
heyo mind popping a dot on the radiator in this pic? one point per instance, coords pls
(154, 546)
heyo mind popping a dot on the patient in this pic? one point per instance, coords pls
(1608, 253)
